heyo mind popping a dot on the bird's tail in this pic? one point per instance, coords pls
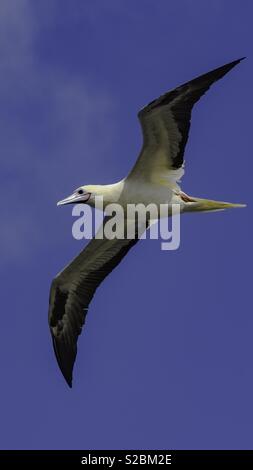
(205, 205)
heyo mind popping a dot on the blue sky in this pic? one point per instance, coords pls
(165, 360)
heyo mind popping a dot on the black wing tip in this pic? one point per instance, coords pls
(69, 381)
(215, 74)
(227, 67)
(235, 62)
(68, 377)
(218, 73)
(66, 371)
(242, 58)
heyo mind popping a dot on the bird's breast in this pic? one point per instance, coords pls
(146, 194)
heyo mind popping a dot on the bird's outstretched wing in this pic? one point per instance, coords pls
(165, 126)
(72, 290)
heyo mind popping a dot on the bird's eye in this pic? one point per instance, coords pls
(80, 191)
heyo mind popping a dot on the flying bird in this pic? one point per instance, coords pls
(155, 178)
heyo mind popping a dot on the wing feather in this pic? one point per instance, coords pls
(72, 291)
(165, 126)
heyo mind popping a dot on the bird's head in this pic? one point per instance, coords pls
(81, 195)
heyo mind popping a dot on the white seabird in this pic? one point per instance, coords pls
(154, 178)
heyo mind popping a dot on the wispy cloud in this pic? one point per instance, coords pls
(52, 125)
